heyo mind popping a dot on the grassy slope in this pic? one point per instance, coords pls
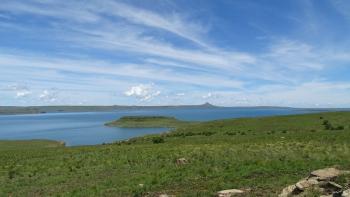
(147, 122)
(28, 144)
(263, 154)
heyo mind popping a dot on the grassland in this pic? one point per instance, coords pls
(148, 122)
(260, 154)
(29, 144)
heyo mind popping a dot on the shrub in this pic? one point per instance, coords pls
(190, 133)
(11, 174)
(325, 122)
(327, 125)
(339, 128)
(157, 140)
(284, 131)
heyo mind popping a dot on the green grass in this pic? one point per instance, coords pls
(260, 154)
(28, 144)
(147, 122)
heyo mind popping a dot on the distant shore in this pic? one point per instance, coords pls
(18, 110)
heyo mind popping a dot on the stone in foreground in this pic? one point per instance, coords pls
(288, 191)
(326, 174)
(181, 161)
(306, 183)
(346, 193)
(229, 192)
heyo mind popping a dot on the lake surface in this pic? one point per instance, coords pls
(87, 128)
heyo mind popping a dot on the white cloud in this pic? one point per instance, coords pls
(174, 23)
(48, 95)
(22, 93)
(144, 92)
(208, 95)
(127, 37)
(99, 67)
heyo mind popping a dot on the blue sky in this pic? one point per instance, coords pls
(159, 52)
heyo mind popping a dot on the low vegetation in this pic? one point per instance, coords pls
(258, 155)
(29, 144)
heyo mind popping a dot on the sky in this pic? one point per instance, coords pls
(292, 53)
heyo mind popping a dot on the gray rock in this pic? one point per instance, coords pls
(229, 192)
(181, 161)
(288, 191)
(346, 193)
(326, 173)
(306, 183)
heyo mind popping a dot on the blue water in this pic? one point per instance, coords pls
(88, 128)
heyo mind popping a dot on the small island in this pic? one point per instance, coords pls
(147, 122)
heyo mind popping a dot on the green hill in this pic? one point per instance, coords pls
(258, 155)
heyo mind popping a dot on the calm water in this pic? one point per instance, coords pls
(88, 129)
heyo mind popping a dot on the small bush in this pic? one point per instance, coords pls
(284, 131)
(327, 125)
(157, 140)
(339, 128)
(11, 174)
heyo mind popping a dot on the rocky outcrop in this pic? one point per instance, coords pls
(320, 180)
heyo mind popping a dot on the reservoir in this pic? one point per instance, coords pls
(87, 128)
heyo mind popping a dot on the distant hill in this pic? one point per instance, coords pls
(10, 110)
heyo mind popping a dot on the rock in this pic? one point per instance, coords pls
(335, 185)
(306, 183)
(346, 193)
(331, 187)
(326, 174)
(181, 161)
(288, 191)
(163, 195)
(229, 192)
